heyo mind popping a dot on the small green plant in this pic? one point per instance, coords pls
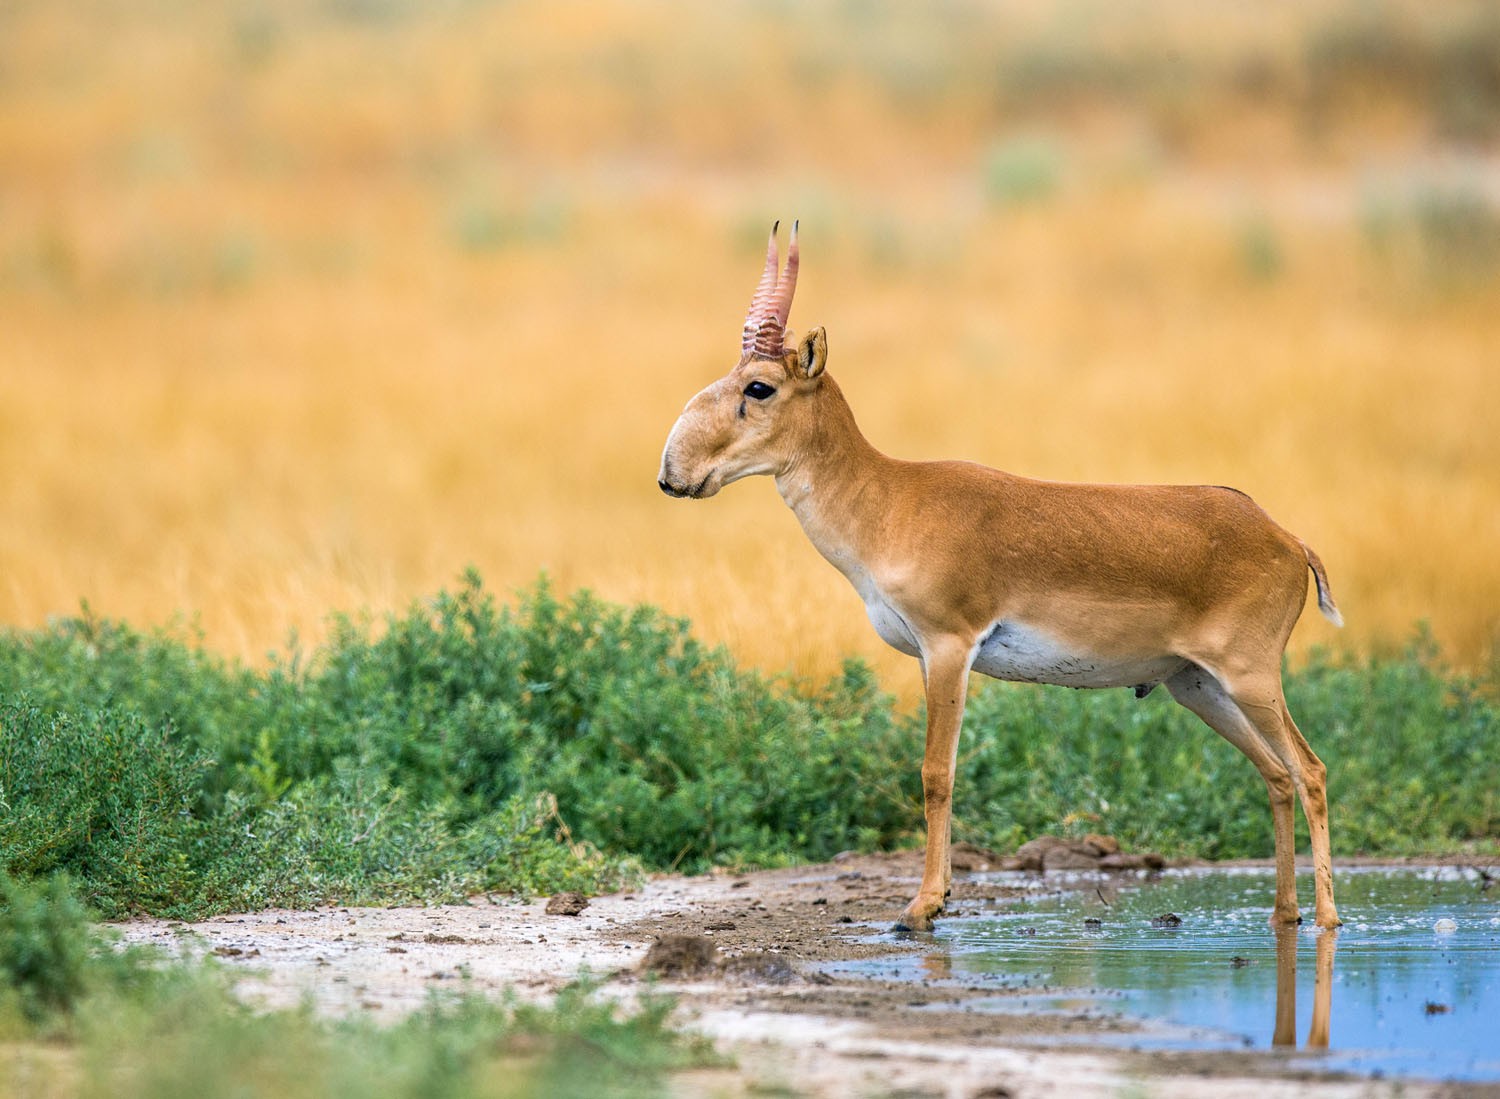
(1022, 169)
(105, 797)
(263, 774)
(53, 961)
(1260, 252)
(45, 948)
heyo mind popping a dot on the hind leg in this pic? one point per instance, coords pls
(1261, 700)
(1315, 808)
(1198, 690)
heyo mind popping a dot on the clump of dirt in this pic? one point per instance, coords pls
(567, 904)
(762, 967)
(681, 956)
(1092, 852)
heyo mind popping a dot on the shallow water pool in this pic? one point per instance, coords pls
(1387, 994)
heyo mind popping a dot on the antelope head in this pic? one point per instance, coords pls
(751, 420)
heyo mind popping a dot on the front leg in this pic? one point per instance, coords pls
(947, 667)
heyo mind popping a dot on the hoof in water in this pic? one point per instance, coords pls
(909, 923)
(902, 930)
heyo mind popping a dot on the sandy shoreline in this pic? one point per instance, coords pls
(787, 1023)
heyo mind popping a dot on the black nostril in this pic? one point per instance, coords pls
(665, 488)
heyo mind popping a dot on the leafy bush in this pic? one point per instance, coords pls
(52, 960)
(468, 746)
(45, 941)
(103, 796)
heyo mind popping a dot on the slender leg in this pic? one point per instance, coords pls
(1315, 808)
(1260, 700)
(1197, 690)
(948, 842)
(947, 666)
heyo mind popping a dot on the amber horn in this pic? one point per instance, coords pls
(788, 284)
(765, 295)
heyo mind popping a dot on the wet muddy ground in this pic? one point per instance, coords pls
(797, 976)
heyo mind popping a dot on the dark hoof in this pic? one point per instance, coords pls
(908, 923)
(902, 930)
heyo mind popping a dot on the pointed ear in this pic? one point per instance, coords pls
(812, 353)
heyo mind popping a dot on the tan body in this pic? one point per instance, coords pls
(972, 569)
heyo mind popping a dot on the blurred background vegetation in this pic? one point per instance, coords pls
(308, 304)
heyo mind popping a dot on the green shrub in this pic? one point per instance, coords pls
(106, 798)
(650, 743)
(467, 746)
(45, 947)
(53, 961)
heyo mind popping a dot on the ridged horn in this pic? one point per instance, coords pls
(755, 338)
(787, 286)
(764, 335)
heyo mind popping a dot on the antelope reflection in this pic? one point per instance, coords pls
(937, 964)
(1285, 1033)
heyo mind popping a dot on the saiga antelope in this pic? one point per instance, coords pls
(969, 568)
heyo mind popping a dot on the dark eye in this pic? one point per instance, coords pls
(759, 391)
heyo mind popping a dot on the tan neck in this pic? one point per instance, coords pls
(833, 481)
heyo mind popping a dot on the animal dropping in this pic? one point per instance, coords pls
(966, 568)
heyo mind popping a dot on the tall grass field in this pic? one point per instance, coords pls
(311, 304)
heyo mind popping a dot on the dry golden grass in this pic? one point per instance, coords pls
(307, 308)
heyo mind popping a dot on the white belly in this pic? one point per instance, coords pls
(1025, 654)
(891, 627)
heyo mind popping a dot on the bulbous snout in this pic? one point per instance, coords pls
(664, 478)
(677, 487)
(671, 479)
(693, 459)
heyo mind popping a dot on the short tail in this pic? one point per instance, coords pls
(1326, 604)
